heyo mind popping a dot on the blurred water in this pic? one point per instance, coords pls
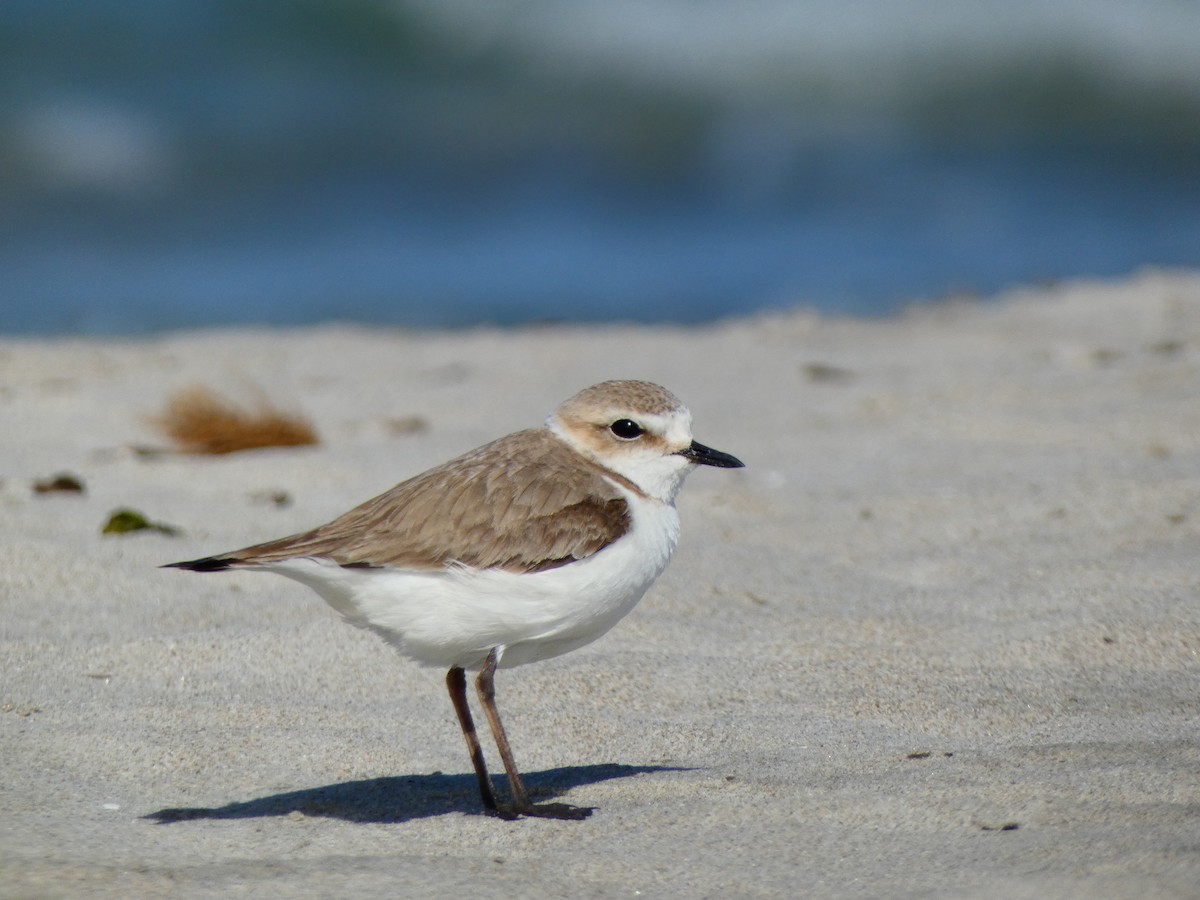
(184, 163)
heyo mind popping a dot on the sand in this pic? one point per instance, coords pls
(940, 638)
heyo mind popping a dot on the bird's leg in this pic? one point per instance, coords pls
(485, 684)
(521, 804)
(456, 682)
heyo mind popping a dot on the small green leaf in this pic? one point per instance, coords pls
(124, 521)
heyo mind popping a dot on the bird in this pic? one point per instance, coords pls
(524, 549)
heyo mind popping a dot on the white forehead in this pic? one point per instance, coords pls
(674, 427)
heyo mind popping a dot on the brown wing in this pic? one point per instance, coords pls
(522, 503)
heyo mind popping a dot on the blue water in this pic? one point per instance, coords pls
(191, 163)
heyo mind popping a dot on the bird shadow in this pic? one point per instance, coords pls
(401, 798)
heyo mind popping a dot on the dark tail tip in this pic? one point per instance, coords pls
(208, 564)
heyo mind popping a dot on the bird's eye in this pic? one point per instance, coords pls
(626, 429)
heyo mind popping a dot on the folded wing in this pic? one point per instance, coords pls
(523, 503)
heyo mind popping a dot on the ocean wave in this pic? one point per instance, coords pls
(631, 84)
(446, 161)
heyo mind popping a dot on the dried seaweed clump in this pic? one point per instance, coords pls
(199, 421)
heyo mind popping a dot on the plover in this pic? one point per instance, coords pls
(524, 549)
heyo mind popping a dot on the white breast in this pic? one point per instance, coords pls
(458, 616)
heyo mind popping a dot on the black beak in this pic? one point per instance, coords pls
(707, 456)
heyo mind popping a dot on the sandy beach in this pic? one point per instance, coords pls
(939, 638)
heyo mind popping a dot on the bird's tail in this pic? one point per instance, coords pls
(207, 564)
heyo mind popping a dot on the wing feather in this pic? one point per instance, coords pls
(523, 503)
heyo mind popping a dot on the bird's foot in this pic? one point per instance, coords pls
(558, 811)
(543, 811)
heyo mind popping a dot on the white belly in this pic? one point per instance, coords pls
(456, 617)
